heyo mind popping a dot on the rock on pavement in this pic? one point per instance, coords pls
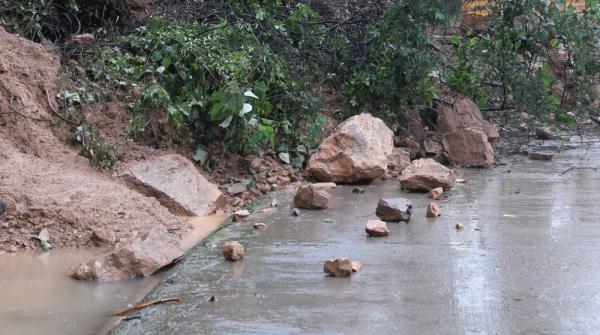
(426, 174)
(466, 136)
(233, 251)
(433, 211)
(376, 228)
(176, 183)
(436, 193)
(357, 151)
(340, 267)
(394, 209)
(311, 197)
(140, 257)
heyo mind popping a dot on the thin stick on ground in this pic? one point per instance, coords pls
(143, 305)
(578, 168)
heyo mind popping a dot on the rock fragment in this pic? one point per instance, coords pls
(358, 190)
(310, 197)
(240, 215)
(436, 193)
(259, 225)
(340, 267)
(376, 228)
(356, 266)
(433, 211)
(233, 251)
(426, 174)
(235, 189)
(398, 160)
(543, 133)
(460, 226)
(394, 209)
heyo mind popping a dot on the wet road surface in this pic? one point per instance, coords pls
(526, 263)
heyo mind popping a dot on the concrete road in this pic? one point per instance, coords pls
(527, 262)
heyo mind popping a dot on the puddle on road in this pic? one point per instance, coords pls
(37, 296)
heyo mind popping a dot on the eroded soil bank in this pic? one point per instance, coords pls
(525, 262)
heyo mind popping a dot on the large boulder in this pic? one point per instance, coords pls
(312, 197)
(469, 147)
(176, 183)
(356, 152)
(140, 257)
(426, 174)
(466, 135)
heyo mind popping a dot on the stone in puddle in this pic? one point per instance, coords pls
(541, 156)
(310, 197)
(394, 209)
(433, 210)
(140, 257)
(240, 215)
(340, 267)
(426, 174)
(376, 228)
(233, 251)
(436, 193)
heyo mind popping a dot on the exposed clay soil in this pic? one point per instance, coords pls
(43, 182)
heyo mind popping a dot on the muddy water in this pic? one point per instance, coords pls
(526, 263)
(37, 297)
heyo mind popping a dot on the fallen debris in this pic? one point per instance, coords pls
(140, 257)
(358, 190)
(357, 151)
(394, 209)
(237, 188)
(460, 226)
(356, 266)
(340, 267)
(295, 212)
(436, 193)
(310, 197)
(233, 251)
(259, 225)
(143, 305)
(433, 210)
(240, 215)
(376, 228)
(541, 156)
(426, 174)
(398, 160)
(543, 133)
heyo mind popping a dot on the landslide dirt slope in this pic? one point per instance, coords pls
(43, 182)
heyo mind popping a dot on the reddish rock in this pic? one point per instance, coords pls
(340, 267)
(376, 228)
(459, 226)
(426, 174)
(259, 225)
(357, 151)
(233, 251)
(139, 258)
(240, 215)
(356, 266)
(432, 148)
(398, 160)
(436, 193)
(466, 136)
(394, 209)
(433, 211)
(310, 197)
(469, 147)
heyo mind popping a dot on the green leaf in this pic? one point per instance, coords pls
(554, 43)
(455, 39)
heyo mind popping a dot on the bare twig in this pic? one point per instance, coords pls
(143, 305)
(57, 113)
(578, 168)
